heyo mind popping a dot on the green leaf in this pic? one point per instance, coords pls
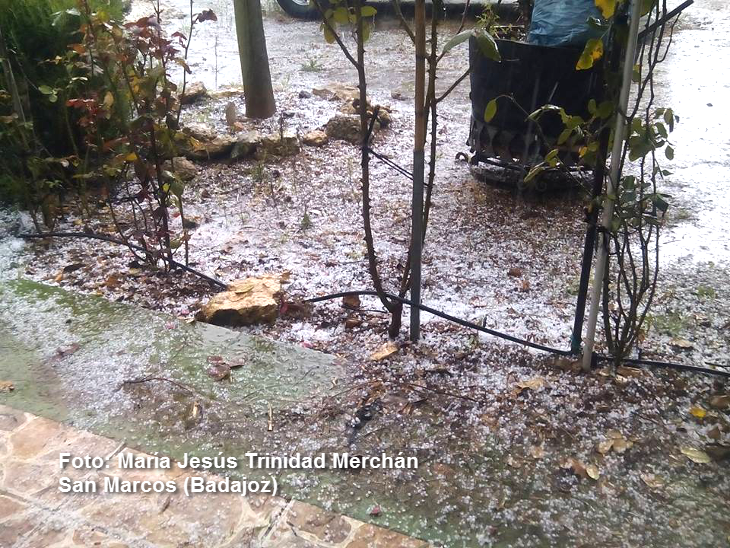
(341, 16)
(366, 30)
(605, 110)
(564, 136)
(592, 107)
(456, 40)
(490, 111)
(534, 172)
(669, 153)
(660, 203)
(591, 53)
(329, 36)
(487, 46)
(46, 90)
(368, 11)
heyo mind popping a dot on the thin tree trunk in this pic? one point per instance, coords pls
(257, 89)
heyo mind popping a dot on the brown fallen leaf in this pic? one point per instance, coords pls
(604, 447)
(514, 272)
(720, 402)
(351, 301)
(536, 384)
(578, 468)
(219, 371)
(385, 351)
(718, 452)
(652, 481)
(352, 322)
(695, 455)
(593, 472)
(6, 386)
(537, 452)
(684, 344)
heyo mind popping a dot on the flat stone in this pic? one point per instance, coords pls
(246, 302)
(36, 438)
(337, 92)
(370, 536)
(246, 145)
(325, 526)
(11, 419)
(9, 507)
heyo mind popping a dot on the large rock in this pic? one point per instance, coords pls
(201, 132)
(278, 144)
(345, 127)
(194, 93)
(246, 145)
(220, 147)
(245, 302)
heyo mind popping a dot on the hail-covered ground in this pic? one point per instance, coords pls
(522, 448)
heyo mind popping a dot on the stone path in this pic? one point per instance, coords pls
(34, 513)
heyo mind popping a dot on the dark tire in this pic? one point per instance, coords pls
(302, 9)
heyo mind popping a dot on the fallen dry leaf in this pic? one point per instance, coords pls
(593, 472)
(578, 468)
(684, 344)
(6, 386)
(695, 455)
(219, 371)
(351, 301)
(697, 412)
(536, 383)
(604, 447)
(652, 481)
(388, 349)
(720, 402)
(537, 452)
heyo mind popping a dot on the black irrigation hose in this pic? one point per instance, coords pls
(448, 317)
(109, 239)
(453, 319)
(543, 348)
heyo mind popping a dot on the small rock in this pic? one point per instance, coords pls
(205, 194)
(184, 168)
(316, 138)
(194, 93)
(684, 344)
(304, 94)
(6, 386)
(397, 95)
(231, 115)
(246, 302)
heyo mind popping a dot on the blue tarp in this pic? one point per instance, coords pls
(562, 22)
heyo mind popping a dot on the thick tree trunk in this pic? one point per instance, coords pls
(257, 88)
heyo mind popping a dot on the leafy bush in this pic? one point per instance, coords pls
(36, 32)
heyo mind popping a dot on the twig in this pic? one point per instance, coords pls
(161, 379)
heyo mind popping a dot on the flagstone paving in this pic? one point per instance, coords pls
(34, 513)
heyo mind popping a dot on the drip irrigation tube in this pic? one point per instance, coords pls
(541, 347)
(425, 308)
